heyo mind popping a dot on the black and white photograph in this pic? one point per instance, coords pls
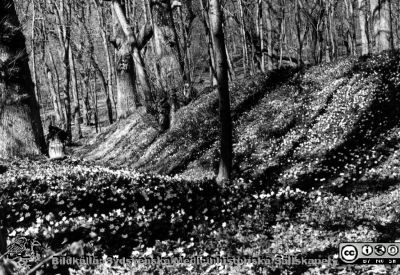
(199, 137)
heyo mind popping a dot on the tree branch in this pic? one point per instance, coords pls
(144, 35)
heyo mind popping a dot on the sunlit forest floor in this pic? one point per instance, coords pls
(317, 163)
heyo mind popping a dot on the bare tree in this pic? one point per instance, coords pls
(350, 25)
(55, 95)
(108, 87)
(211, 60)
(129, 64)
(221, 71)
(76, 110)
(269, 35)
(381, 22)
(261, 33)
(362, 16)
(243, 34)
(21, 131)
(64, 38)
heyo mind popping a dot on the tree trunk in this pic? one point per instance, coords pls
(3, 232)
(156, 46)
(56, 88)
(109, 89)
(94, 97)
(261, 33)
(21, 132)
(349, 29)
(76, 110)
(327, 45)
(363, 27)
(55, 95)
(211, 60)
(143, 79)
(176, 38)
(244, 42)
(221, 62)
(269, 37)
(186, 46)
(301, 32)
(129, 58)
(380, 12)
(127, 99)
(87, 110)
(282, 36)
(385, 32)
(329, 29)
(65, 43)
(34, 74)
(232, 73)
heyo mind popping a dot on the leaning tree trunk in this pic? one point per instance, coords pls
(221, 70)
(21, 131)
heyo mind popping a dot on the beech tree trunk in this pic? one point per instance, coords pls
(261, 33)
(186, 46)
(64, 38)
(34, 74)
(351, 40)
(382, 30)
(21, 132)
(55, 95)
(3, 234)
(143, 78)
(363, 26)
(127, 98)
(282, 36)
(221, 70)
(269, 37)
(244, 42)
(211, 60)
(76, 110)
(56, 87)
(85, 88)
(109, 88)
(330, 30)
(128, 59)
(301, 33)
(385, 33)
(95, 102)
(176, 38)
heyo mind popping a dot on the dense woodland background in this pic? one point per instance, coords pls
(294, 104)
(75, 65)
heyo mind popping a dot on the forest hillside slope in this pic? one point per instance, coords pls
(336, 123)
(319, 166)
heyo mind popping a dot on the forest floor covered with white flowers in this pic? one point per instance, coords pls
(317, 163)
